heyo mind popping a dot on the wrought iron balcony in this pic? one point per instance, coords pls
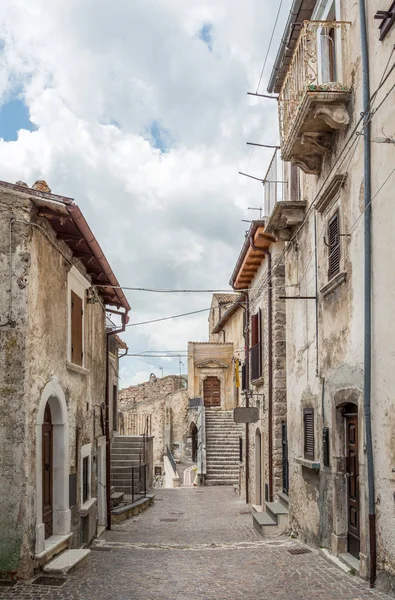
(314, 95)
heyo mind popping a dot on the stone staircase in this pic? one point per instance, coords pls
(222, 448)
(125, 454)
(275, 518)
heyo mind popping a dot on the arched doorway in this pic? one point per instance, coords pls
(194, 440)
(212, 391)
(47, 471)
(52, 466)
(258, 467)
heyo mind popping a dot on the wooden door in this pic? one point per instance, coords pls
(212, 391)
(285, 457)
(47, 483)
(353, 534)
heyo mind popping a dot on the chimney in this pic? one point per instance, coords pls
(41, 186)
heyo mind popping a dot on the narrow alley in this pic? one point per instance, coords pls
(198, 543)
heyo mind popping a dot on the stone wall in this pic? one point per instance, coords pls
(33, 358)
(164, 402)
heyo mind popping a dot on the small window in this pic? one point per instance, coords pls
(85, 479)
(76, 329)
(308, 423)
(333, 244)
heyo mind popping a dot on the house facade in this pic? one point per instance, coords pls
(336, 133)
(54, 406)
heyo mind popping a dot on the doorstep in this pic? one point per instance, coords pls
(66, 562)
(350, 561)
(53, 545)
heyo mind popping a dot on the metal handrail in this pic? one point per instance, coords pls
(171, 459)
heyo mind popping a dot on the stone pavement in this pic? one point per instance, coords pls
(198, 544)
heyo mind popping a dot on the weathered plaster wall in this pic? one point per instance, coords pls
(318, 501)
(34, 349)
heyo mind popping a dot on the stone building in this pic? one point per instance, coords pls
(259, 270)
(338, 232)
(158, 407)
(53, 407)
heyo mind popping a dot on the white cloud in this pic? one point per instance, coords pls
(95, 76)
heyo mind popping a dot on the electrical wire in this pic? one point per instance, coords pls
(194, 312)
(269, 46)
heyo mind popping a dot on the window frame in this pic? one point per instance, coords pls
(86, 453)
(321, 13)
(335, 215)
(77, 284)
(308, 453)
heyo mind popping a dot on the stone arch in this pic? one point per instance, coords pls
(53, 395)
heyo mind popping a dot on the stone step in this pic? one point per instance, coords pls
(66, 562)
(283, 499)
(221, 481)
(116, 498)
(279, 513)
(124, 462)
(265, 524)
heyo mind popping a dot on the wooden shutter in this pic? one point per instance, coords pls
(76, 329)
(254, 330)
(244, 377)
(334, 246)
(308, 419)
(295, 187)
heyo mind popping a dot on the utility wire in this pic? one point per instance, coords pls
(194, 312)
(269, 46)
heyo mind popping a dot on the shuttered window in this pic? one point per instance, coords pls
(308, 419)
(256, 346)
(244, 377)
(334, 246)
(76, 329)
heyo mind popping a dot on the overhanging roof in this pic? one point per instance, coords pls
(301, 10)
(234, 307)
(70, 226)
(250, 259)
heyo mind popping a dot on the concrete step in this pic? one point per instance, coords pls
(221, 481)
(278, 513)
(66, 562)
(265, 524)
(283, 499)
(116, 498)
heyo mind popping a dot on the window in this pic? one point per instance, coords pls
(85, 479)
(328, 43)
(76, 329)
(85, 473)
(308, 426)
(256, 346)
(77, 286)
(333, 244)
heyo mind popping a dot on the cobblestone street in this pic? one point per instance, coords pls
(198, 543)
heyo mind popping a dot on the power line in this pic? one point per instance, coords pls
(269, 46)
(194, 312)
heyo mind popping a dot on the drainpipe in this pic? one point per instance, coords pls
(368, 291)
(247, 359)
(107, 404)
(270, 357)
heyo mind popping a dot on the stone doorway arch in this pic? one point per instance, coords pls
(53, 401)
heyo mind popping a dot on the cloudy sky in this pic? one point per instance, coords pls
(138, 109)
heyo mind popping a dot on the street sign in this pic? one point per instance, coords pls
(246, 415)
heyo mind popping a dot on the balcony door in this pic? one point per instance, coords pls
(328, 43)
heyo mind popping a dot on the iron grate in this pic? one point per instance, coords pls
(299, 551)
(169, 520)
(100, 549)
(245, 512)
(7, 583)
(50, 581)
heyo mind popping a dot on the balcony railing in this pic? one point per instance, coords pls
(317, 67)
(275, 184)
